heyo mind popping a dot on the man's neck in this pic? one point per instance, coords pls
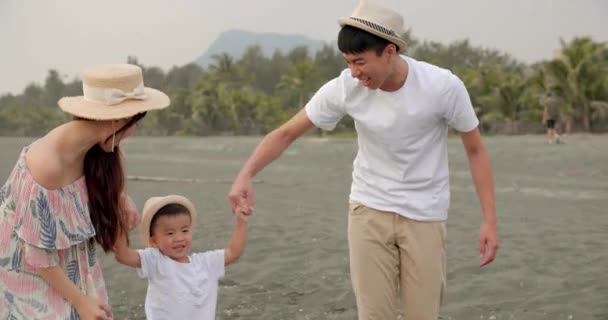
(396, 80)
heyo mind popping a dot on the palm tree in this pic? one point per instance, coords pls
(224, 68)
(299, 79)
(579, 74)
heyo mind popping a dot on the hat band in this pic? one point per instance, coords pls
(112, 96)
(375, 26)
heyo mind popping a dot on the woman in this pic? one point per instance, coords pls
(64, 195)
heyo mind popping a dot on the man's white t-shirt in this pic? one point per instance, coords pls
(181, 290)
(402, 162)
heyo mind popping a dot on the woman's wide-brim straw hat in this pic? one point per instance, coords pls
(378, 20)
(152, 206)
(113, 91)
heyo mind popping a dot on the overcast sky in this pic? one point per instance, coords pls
(68, 35)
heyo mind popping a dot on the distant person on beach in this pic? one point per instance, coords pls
(400, 193)
(65, 195)
(181, 284)
(551, 105)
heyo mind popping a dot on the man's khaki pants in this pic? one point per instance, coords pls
(390, 254)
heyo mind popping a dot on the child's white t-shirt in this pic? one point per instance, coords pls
(181, 290)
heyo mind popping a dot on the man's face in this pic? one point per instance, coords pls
(372, 69)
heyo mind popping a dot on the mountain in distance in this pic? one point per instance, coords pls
(236, 42)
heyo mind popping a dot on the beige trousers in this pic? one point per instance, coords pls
(392, 256)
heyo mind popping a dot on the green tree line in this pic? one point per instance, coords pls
(255, 93)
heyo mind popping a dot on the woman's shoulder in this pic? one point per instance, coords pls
(42, 162)
(49, 219)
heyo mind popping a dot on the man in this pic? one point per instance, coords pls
(551, 103)
(399, 196)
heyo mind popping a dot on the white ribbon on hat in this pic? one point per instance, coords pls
(112, 96)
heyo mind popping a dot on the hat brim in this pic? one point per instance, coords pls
(152, 206)
(354, 23)
(78, 106)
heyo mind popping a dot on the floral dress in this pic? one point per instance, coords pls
(44, 228)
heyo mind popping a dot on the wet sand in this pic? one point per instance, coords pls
(552, 203)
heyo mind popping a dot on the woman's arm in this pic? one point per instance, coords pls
(58, 280)
(87, 307)
(132, 216)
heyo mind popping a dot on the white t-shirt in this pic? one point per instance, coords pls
(181, 290)
(402, 162)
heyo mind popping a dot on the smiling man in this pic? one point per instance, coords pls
(399, 196)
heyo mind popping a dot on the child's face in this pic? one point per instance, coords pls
(172, 235)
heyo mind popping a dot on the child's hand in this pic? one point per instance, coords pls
(91, 309)
(241, 216)
(242, 212)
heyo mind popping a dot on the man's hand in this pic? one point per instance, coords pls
(241, 196)
(488, 243)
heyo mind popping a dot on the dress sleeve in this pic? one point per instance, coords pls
(48, 222)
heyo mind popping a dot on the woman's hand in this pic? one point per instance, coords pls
(91, 309)
(130, 209)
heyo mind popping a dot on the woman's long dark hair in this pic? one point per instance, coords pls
(105, 179)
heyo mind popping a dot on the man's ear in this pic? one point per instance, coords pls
(391, 51)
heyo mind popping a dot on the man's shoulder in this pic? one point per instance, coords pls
(342, 86)
(429, 69)
(430, 76)
(345, 80)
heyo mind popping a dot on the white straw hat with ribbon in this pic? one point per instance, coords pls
(113, 91)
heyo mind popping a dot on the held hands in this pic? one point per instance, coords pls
(488, 243)
(241, 217)
(130, 209)
(241, 197)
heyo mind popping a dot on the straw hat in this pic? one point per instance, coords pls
(113, 91)
(381, 21)
(152, 206)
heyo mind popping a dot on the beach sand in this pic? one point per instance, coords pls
(552, 203)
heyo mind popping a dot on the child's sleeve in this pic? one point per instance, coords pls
(149, 262)
(213, 261)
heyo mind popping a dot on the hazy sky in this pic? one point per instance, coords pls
(68, 35)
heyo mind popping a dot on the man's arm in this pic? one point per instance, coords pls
(273, 145)
(268, 150)
(481, 171)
